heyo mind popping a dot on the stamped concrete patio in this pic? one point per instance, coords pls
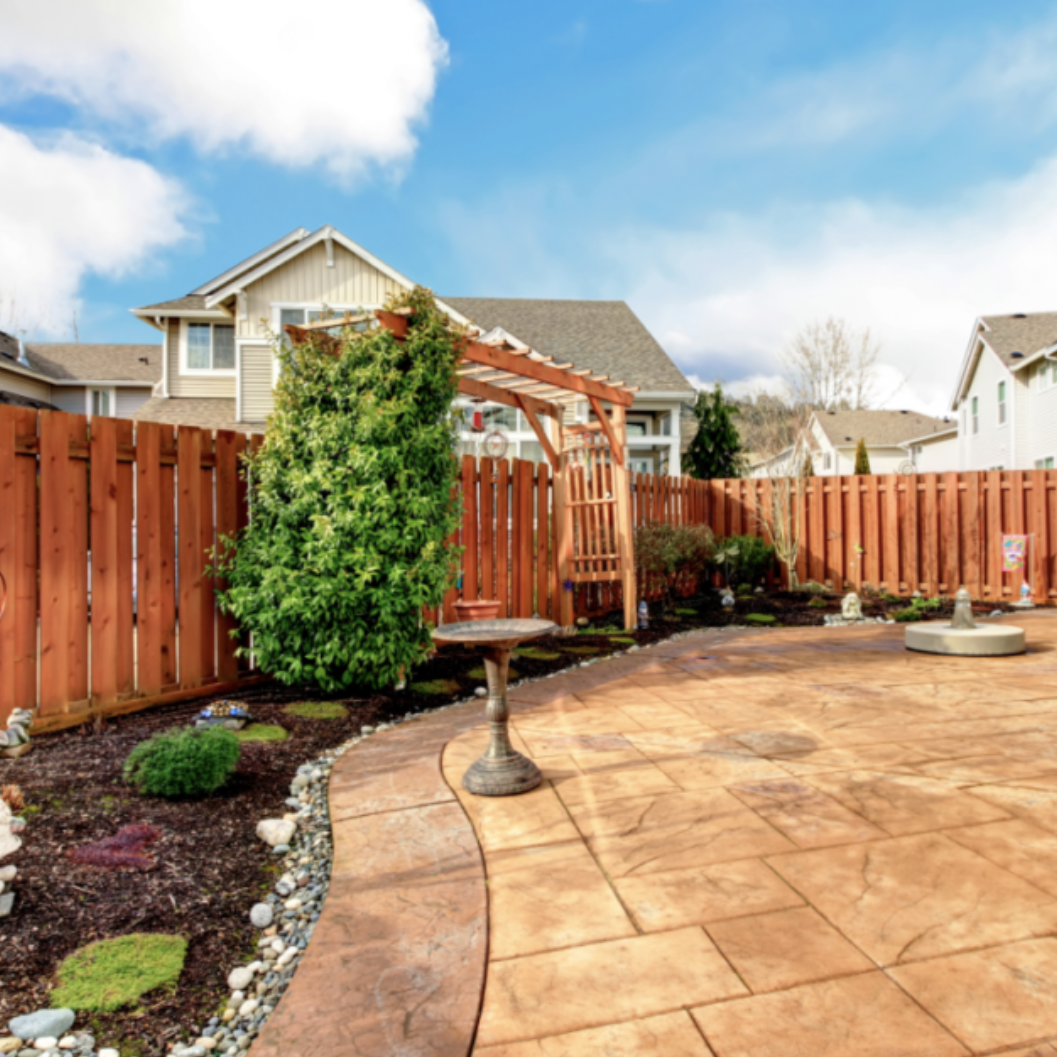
(770, 844)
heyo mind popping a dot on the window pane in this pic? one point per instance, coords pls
(636, 429)
(223, 348)
(500, 418)
(198, 346)
(1001, 390)
(531, 450)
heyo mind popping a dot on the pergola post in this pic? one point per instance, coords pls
(563, 532)
(623, 518)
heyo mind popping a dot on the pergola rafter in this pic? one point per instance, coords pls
(592, 507)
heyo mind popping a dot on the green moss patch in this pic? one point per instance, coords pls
(436, 687)
(480, 673)
(262, 732)
(760, 618)
(580, 649)
(533, 653)
(686, 612)
(623, 640)
(107, 975)
(317, 710)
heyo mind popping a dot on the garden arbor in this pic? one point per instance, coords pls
(592, 499)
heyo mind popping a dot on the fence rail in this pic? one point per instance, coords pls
(105, 536)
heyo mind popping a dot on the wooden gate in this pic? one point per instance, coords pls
(593, 499)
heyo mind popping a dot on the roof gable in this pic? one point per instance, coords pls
(251, 262)
(880, 429)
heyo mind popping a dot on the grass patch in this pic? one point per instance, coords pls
(623, 640)
(580, 649)
(686, 612)
(110, 974)
(317, 710)
(262, 732)
(436, 687)
(534, 653)
(480, 673)
(760, 618)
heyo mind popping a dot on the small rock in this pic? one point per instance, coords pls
(69, 1042)
(261, 916)
(44, 1024)
(8, 873)
(228, 1014)
(481, 691)
(7, 901)
(276, 831)
(207, 1042)
(292, 904)
(248, 1007)
(286, 957)
(9, 1045)
(278, 946)
(46, 1042)
(241, 978)
(108, 1052)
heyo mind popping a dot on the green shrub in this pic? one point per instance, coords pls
(112, 973)
(760, 618)
(352, 504)
(744, 560)
(262, 732)
(673, 557)
(817, 603)
(317, 710)
(908, 615)
(183, 762)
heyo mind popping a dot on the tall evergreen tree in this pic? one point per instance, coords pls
(716, 450)
(862, 458)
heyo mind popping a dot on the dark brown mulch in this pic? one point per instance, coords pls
(211, 867)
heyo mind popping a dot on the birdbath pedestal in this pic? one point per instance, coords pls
(501, 771)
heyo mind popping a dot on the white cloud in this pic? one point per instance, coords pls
(68, 208)
(335, 82)
(724, 298)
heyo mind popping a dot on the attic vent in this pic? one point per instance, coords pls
(904, 412)
(1017, 355)
(1019, 315)
(847, 438)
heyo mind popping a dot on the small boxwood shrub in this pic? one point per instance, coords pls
(744, 560)
(183, 762)
(760, 618)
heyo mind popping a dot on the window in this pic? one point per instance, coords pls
(637, 429)
(210, 347)
(827, 461)
(1001, 403)
(531, 450)
(976, 414)
(298, 317)
(1044, 464)
(100, 402)
(918, 450)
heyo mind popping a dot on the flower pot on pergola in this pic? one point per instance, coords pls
(592, 498)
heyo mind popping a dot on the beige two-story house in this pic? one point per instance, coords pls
(220, 367)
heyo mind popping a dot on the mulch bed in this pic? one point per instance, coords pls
(210, 865)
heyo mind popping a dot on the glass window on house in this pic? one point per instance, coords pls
(1001, 403)
(637, 428)
(1044, 464)
(100, 403)
(531, 450)
(210, 347)
(976, 414)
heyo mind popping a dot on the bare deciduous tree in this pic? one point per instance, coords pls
(830, 365)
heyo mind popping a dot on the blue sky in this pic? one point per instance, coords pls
(732, 169)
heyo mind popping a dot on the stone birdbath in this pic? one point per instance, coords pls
(501, 771)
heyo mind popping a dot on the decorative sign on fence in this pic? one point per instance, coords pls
(1014, 550)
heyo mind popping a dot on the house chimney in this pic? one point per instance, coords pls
(22, 353)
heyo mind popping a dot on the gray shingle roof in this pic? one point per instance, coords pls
(878, 428)
(96, 363)
(603, 335)
(192, 302)
(206, 412)
(1020, 333)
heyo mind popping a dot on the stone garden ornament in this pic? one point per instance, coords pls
(15, 741)
(851, 607)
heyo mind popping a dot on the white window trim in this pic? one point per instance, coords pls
(96, 389)
(203, 372)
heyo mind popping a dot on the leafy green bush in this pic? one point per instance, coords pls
(745, 560)
(817, 603)
(183, 762)
(112, 973)
(352, 503)
(908, 615)
(673, 557)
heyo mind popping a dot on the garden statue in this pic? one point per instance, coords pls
(727, 601)
(227, 714)
(9, 842)
(15, 741)
(644, 615)
(963, 610)
(851, 607)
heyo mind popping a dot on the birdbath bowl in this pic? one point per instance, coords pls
(501, 771)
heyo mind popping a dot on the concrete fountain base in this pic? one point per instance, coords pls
(983, 640)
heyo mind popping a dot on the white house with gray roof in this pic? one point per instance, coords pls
(85, 379)
(1006, 399)
(220, 366)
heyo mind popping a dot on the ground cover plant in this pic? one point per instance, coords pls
(183, 762)
(317, 710)
(261, 732)
(352, 504)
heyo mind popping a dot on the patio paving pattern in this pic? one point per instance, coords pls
(785, 843)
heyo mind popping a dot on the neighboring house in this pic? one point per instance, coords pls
(87, 379)
(220, 366)
(895, 442)
(1006, 400)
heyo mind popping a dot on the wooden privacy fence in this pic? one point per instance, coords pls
(930, 532)
(104, 538)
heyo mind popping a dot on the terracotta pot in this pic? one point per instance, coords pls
(482, 609)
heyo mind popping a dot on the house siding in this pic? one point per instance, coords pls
(1040, 419)
(20, 385)
(993, 445)
(258, 398)
(193, 385)
(69, 398)
(938, 456)
(129, 401)
(307, 280)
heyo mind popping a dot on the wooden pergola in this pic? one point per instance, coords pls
(592, 499)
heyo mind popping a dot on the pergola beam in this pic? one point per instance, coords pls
(493, 394)
(541, 434)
